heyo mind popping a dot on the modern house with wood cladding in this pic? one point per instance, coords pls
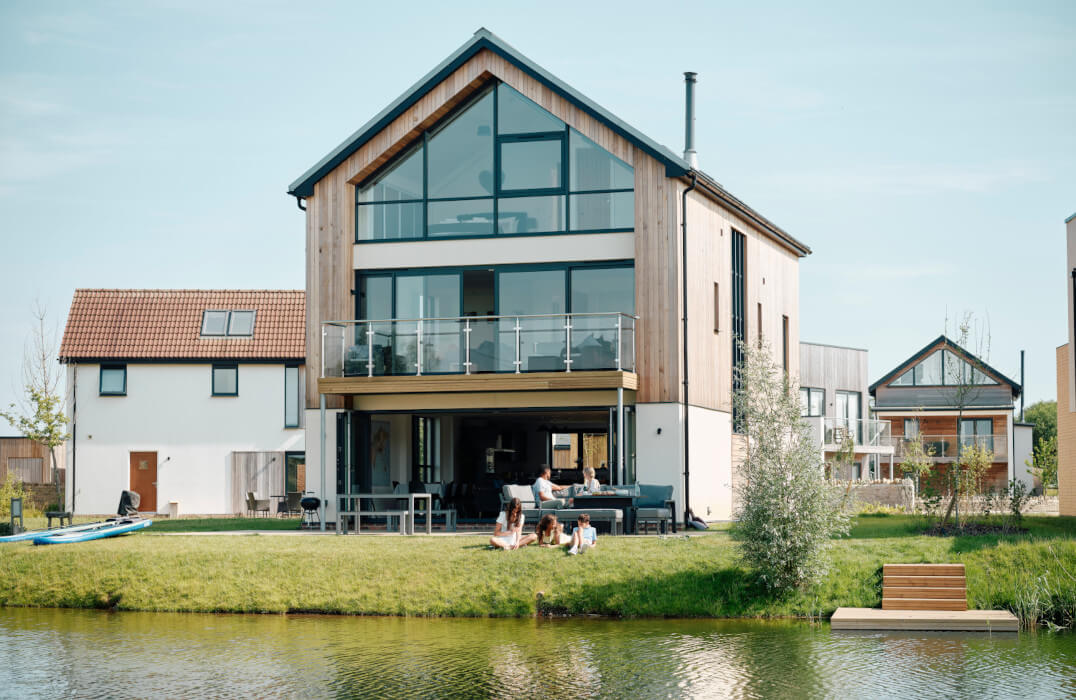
(834, 393)
(187, 397)
(1066, 386)
(496, 281)
(921, 400)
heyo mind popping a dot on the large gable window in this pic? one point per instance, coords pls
(550, 178)
(943, 368)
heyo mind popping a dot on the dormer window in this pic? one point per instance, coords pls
(238, 324)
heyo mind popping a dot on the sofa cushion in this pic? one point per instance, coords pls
(653, 496)
(520, 491)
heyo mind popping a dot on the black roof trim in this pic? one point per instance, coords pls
(948, 344)
(482, 39)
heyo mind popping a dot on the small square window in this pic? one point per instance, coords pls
(113, 381)
(214, 322)
(225, 380)
(241, 323)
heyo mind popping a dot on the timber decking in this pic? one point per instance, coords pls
(924, 587)
(925, 620)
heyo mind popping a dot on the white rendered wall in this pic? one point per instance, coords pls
(1021, 454)
(497, 250)
(313, 459)
(659, 457)
(169, 410)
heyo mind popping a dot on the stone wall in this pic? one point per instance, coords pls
(899, 493)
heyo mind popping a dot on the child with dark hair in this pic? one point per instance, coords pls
(584, 536)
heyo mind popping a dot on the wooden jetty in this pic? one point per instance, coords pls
(924, 597)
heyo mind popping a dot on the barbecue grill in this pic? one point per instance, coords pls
(310, 505)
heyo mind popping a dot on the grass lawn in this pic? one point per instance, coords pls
(1033, 575)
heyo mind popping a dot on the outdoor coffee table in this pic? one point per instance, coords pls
(610, 501)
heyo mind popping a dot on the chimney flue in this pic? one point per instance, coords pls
(689, 120)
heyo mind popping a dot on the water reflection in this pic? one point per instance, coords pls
(61, 653)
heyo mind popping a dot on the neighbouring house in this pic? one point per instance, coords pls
(187, 397)
(466, 328)
(1066, 388)
(834, 391)
(919, 398)
(30, 463)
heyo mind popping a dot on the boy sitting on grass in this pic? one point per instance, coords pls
(584, 536)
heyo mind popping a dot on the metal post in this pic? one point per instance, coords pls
(343, 348)
(418, 349)
(619, 341)
(323, 332)
(518, 361)
(321, 457)
(567, 343)
(620, 434)
(467, 346)
(633, 344)
(369, 349)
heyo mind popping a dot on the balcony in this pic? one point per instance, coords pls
(869, 436)
(946, 447)
(478, 345)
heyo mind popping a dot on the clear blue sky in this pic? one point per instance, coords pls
(925, 151)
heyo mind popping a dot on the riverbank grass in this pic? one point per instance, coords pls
(1033, 575)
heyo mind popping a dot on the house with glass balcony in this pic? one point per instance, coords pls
(921, 399)
(502, 274)
(834, 390)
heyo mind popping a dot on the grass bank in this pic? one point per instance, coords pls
(1034, 575)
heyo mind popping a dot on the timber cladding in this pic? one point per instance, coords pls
(1066, 437)
(28, 460)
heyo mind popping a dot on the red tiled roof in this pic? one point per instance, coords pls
(162, 324)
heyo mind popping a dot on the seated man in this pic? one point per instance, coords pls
(544, 489)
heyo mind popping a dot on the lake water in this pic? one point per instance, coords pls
(71, 653)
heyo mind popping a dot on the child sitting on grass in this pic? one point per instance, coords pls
(549, 532)
(584, 536)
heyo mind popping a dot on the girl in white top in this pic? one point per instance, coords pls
(508, 532)
(590, 482)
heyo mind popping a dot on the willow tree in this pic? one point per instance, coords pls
(788, 512)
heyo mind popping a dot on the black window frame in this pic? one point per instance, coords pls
(111, 366)
(228, 323)
(499, 194)
(298, 394)
(811, 391)
(213, 377)
(739, 321)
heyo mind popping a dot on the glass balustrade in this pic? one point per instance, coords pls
(477, 344)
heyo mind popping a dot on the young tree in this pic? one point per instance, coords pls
(788, 513)
(1044, 461)
(40, 416)
(918, 458)
(963, 384)
(1042, 415)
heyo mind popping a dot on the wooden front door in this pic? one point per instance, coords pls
(144, 479)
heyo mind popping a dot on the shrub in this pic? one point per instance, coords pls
(11, 488)
(788, 513)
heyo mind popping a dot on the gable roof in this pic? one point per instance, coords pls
(943, 341)
(166, 324)
(483, 39)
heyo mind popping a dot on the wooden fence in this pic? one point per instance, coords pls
(260, 472)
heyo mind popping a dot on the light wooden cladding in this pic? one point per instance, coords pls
(528, 381)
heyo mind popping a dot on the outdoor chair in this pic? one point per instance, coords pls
(292, 504)
(523, 492)
(654, 504)
(613, 517)
(257, 505)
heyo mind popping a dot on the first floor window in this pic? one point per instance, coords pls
(977, 431)
(113, 380)
(911, 428)
(225, 380)
(812, 402)
(291, 397)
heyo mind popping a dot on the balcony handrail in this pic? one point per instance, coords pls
(428, 334)
(477, 318)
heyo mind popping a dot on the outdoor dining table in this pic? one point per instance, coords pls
(409, 522)
(600, 500)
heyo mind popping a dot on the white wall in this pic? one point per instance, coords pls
(497, 250)
(659, 457)
(169, 410)
(313, 459)
(1021, 454)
